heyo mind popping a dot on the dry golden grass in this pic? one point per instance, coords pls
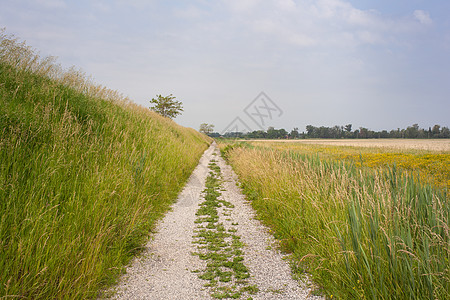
(441, 145)
(430, 166)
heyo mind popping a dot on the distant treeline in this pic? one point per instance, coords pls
(339, 132)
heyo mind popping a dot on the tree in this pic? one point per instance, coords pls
(412, 132)
(166, 106)
(384, 134)
(363, 132)
(206, 128)
(271, 133)
(445, 133)
(436, 130)
(294, 133)
(310, 131)
(282, 133)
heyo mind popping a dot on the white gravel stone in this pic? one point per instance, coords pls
(164, 271)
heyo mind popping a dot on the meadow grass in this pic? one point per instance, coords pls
(431, 166)
(84, 175)
(359, 232)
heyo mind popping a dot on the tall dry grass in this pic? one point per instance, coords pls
(431, 166)
(84, 175)
(360, 233)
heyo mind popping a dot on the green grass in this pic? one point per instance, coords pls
(84, 175)
(361, 233)
(221, 249)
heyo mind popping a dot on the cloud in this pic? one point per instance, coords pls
(101, 7)
(301, 40)
(305, 24)
(190, 12)
(327, 23)
(52, 3)
(243, 5)
(330, 8)
(344, 14)
(287, 5)
(423, 17)
(369, 37)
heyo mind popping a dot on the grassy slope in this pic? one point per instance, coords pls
(82, 181)
(360, 233)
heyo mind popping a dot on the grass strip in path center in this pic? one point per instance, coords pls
(219, 245)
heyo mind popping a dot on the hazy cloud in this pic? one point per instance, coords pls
(52, 3)
(423, 17)
(288, 5)
(243, 5)
(322, 22)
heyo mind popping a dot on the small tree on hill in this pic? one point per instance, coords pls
(166, 106)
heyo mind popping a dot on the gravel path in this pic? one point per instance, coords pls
(165, 269)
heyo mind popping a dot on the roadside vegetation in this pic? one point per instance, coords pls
(431, 167)
(84, 176)
(367, 230)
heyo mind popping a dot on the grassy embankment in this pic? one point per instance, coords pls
(360, 232)
(84, 175)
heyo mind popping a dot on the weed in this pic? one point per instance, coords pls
(225, 269)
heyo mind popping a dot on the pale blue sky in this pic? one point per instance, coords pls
(373, 63)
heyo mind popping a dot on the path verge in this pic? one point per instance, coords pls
(177, 261)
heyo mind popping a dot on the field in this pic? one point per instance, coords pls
(84, 176)
(440, 145)
(430, 166)
(363, 222)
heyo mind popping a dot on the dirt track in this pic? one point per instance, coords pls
(166, 270)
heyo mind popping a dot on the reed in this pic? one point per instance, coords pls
(432, 166)
(360, 232)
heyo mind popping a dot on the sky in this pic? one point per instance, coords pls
(250, 64)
